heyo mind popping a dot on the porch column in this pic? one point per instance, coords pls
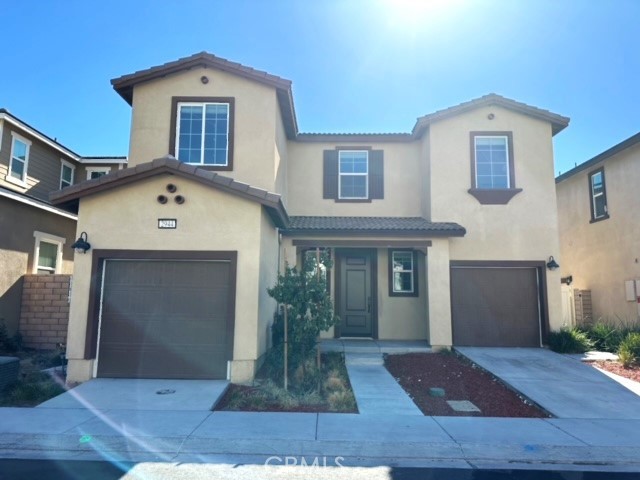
(439, 294)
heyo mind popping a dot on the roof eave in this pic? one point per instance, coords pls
(601, 157)
(313, 232)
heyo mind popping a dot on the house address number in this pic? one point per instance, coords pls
(167, 223)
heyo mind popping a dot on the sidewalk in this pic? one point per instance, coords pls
(362, 440)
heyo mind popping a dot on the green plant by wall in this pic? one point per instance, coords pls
(569, 341)
(629, 351)
(605, 336)
(303, 292)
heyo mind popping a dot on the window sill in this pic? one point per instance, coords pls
(491, 196)
(404, 294)
(15, 181)
(210, 167)
(599, 219)
(353, 200)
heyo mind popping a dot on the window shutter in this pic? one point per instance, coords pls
(330, 174)
(376, 174)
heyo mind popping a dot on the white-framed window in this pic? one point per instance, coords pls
(598, 191)
(492, 161)
(67, 171)
(202, 133)
(353, 174)
(47, 257)
(19, 159)
(403, 280)
(97, 172)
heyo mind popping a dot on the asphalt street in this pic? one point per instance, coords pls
(14, 469)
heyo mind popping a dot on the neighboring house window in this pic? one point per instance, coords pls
(403, 278)
(47, 258)
(66, 174)
(19, 159)
(353, 175)
(203, 131)
(97, 172)
(492, 168)
(598, 194)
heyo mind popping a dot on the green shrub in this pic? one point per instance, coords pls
(569, 341)
(604, 336)
(303, 293)
(629, 351)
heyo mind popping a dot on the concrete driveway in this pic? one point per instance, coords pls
(563, 386)
(139, 394)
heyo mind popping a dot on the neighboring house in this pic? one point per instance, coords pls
(35, 236)
(441, 234)
(598, 211)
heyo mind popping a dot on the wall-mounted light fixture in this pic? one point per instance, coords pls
(567, 280)
(81, 245)
(552, 264)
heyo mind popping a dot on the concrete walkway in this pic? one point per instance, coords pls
(564, 387)
(375, 389)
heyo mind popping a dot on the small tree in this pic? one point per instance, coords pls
(303, 292)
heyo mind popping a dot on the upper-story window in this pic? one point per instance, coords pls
(204, 131)
(492, 162)
(66, 174)
(19, 159)
(598, 196)
(354, 174)
(97, 172)
(492, 167)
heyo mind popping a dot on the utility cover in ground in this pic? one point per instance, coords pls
(463, 406)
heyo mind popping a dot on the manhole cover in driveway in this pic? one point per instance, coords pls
(463, 406)
(166, 391)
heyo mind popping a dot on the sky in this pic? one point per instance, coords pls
(356, 65)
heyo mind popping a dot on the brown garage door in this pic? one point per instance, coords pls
(495, 307)
(165, 319)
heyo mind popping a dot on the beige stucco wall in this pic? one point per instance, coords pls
(524, 229)
(401, 318)
(126, 218)
(281, 156)
(269, 252)
(602, 255)
(255, 121)
(402, 181)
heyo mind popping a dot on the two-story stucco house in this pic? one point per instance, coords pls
(598, 206)
(441, 234)
(34, 233)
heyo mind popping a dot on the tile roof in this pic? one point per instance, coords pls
(124, 84)
(558, 122)
(373, 225)
(69, 197)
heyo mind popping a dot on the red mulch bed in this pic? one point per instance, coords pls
(632, 373)
(461, 380)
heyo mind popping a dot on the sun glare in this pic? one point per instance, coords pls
(414, 13)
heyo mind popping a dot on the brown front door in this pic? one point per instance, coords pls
(495, 307)
(164, 319)
(356, 304)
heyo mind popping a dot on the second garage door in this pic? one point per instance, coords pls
(165, 319)
(495, 307)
